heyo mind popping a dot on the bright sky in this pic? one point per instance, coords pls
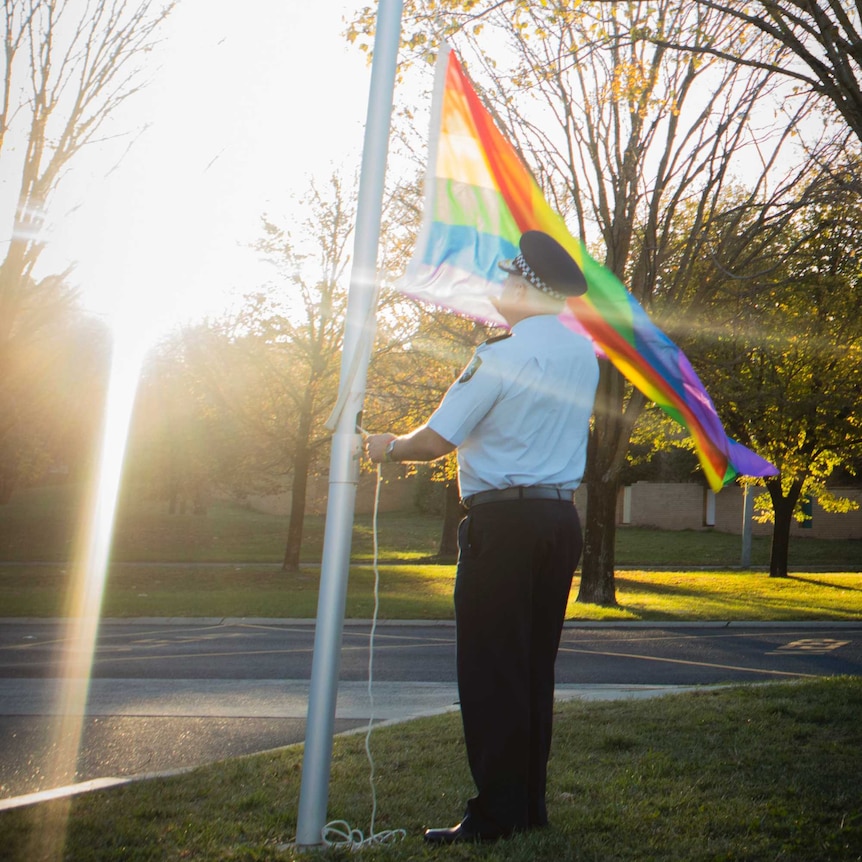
(243, 109)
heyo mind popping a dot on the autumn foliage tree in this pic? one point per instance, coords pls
(785, 354)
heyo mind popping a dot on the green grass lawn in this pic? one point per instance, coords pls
(748, 773)
(227, 564)
(409, 592)
(40, 524)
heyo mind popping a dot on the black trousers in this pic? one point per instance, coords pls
(513, 579)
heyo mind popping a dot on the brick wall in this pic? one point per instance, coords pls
(668, 506)
(662, 505)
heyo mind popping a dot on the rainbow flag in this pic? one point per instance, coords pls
(480, 198)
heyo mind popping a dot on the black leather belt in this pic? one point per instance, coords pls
(534, 492)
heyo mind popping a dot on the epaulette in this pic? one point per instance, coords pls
(497, 338)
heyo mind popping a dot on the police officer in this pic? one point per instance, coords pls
(519, 418)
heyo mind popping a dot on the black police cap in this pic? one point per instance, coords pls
(547, 266)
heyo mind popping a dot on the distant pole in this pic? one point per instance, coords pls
(344, 457)
(747, 513)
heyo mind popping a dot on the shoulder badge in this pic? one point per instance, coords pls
(470, 370)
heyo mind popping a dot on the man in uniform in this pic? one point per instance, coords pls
(519, 417)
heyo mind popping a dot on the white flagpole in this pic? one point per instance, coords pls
(344, 457)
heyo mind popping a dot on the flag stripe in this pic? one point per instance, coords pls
(463, 205)
(466, 248)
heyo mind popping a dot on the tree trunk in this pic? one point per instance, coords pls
(598, 586)
(301, 465)
(298, 493)
(607, 446)
(782, 506)
(297, 511)
(453, 512)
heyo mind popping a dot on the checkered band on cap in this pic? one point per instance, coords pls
(527, 271)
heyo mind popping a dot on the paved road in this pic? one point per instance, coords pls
(174, 694)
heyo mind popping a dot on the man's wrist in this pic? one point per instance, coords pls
(388, 452)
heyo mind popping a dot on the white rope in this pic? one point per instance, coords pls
(339, 833)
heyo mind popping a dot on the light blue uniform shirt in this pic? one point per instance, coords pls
(520, 412)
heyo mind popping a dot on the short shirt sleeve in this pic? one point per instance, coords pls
(469, 398)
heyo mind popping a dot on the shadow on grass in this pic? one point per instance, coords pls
(829, 584)
(657, 588)
(740, 596)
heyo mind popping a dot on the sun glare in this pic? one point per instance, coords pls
(86, 588)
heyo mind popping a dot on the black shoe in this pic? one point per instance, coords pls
(463, 832)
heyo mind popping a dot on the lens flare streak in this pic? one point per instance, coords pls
(85, 592)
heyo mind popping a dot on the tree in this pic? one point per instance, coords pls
(625, 136)
(183, 445)
(272, 369)
(67, 69)
(239, 404)
(56, 386)
(787, 362)
(311, 334)
(823, 37)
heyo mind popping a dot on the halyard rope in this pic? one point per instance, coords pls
(339, 833)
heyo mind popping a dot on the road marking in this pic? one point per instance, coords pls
(809, 646)
(681, 661)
